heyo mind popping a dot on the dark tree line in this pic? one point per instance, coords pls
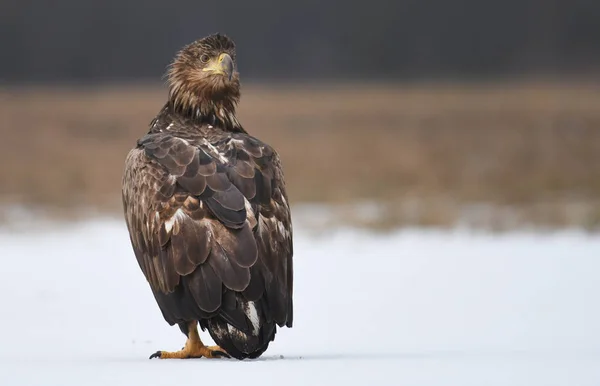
(75, 40)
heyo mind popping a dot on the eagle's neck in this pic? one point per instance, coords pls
(218, 112)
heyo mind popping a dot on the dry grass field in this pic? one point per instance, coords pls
(529, 153)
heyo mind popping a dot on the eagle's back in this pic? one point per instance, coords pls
(210, 225)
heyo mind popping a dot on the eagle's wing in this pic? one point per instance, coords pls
(210, 222)
(258, 174)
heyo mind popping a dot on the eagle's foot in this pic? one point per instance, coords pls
(215, 352)
(194, 348)
(193, 352)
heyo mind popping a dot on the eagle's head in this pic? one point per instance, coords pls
(203, 80)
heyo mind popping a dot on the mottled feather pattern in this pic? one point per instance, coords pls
(214, 223)
(206, 208)
(198, 96)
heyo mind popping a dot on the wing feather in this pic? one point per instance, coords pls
(205, 287)
(234, 277)
(272, 274)
(231, 199)
(202, 225)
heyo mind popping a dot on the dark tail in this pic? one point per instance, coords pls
(241, 328)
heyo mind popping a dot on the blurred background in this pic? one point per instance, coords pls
(409, 113)
(442, 158)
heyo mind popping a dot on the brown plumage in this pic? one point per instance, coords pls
(207, 210)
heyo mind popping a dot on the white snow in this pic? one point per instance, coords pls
(410, 307)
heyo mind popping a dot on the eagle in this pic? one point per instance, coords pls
(207, 212)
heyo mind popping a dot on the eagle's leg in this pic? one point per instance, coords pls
(194, 348)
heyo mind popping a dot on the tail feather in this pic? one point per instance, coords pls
(242, 329)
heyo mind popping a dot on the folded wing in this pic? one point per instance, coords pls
(203, 223)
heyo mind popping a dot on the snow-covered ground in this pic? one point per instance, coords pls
(402, 308)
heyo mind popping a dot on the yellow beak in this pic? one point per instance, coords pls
(222, 65)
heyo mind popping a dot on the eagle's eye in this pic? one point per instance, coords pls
(204, 58)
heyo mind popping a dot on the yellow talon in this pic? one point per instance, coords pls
(194, 348)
